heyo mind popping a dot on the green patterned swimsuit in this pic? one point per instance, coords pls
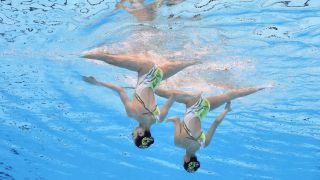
(150, 80)
(199, 110)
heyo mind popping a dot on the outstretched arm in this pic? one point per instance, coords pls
(177, 128)
(123, 95)
(165, 108)
(216, 123)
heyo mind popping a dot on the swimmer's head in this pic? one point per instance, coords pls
(142, 138)
(191, 165)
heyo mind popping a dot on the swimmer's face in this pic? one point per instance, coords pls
(138, 131)
(142, 138)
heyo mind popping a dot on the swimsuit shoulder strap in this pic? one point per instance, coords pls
(155, 111)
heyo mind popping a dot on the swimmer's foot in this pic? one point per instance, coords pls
(197, 62)
(249, 90)
(270, 86)
(261, 88)
(90, 79)
(192, 62)
(93, 53)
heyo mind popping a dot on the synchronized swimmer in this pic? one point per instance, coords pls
(188, 133)
(143, 11)
(143, 107)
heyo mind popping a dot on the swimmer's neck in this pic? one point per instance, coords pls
(190, 154)
(145, 126)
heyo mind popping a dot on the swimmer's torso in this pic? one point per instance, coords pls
(185, 142)
(142, 114)
(191, 135)
(147, 111)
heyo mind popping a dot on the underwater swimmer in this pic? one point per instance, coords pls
(143, 12)
(143, 107)
(188, 133)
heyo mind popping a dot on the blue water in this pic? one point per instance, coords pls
(55, 126)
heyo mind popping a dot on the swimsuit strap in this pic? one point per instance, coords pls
(144, 105)
(189, 132)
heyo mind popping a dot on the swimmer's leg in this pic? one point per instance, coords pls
(184, 97)
(171, 68)
(216, 101)
(133, 62)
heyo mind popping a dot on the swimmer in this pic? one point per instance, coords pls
(188, 133)
(140, 10)
(143, 107)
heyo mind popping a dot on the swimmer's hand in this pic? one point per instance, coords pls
(173, 119)
(220, 118)
(227, 108)
(90, 79)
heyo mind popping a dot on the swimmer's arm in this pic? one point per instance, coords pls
(177, 129)
(123, 95)
(165, 108)
(216, 123)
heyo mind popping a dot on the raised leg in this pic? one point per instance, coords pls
(133, 62)
(216, 101)
(171, 68)
(184, 97)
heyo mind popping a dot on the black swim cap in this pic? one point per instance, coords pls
(144, 141)
(192, 166)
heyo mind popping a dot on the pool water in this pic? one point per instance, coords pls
(55, 126)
